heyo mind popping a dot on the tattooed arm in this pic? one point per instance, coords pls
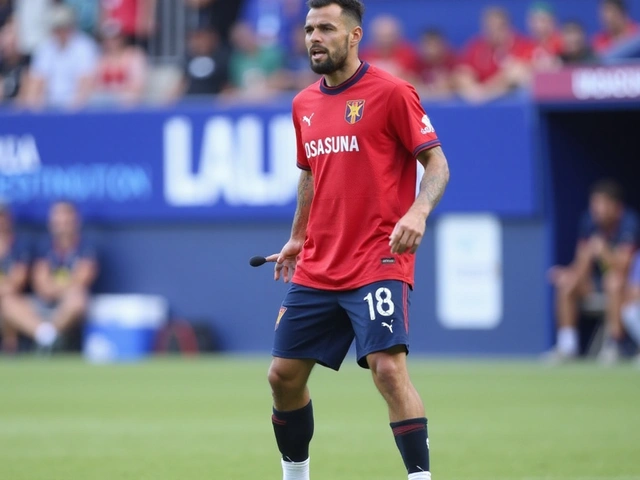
(409, 230)
(287, 258)
(305, 196)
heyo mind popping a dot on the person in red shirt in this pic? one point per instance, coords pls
(389, 51)
(357, 226)
(547, 39)
(614, 16)
(496, 62)
(437, 63)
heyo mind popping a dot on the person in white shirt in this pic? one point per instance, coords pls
(63, 66)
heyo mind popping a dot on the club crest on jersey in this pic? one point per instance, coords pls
(354, 111)
(280, 314)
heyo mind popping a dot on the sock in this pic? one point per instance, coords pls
(294, 431)
(413, 442)
(568, 341)
(420, 476)
(295, 470)
(45, 335)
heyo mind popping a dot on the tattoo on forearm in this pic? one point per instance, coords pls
(305, 190)
(305, 197)
(435, 179)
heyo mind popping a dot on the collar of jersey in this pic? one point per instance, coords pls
(324, 88)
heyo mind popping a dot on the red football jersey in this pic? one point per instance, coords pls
(360, 140)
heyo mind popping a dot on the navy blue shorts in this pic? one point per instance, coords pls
(321, 324)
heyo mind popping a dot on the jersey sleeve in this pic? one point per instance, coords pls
(410, 122)
(301, 156)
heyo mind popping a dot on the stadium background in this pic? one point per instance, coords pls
(179, 197)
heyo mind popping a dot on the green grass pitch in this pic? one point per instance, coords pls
(210, 419)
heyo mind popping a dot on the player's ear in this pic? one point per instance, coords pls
(356, 35)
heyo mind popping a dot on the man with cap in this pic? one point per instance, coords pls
(63, 65)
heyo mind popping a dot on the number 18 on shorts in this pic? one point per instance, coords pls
(322, 324)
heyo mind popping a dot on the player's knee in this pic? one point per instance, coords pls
(613, 283)
(389, 375)
(283, 378)
(76, 301)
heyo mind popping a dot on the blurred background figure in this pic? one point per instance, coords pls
(253, 63)
(121, 72)
(219, 15)
(13, 64)
(206, 66)
(33, 23)
(14, 268)
(608, 237)
(63, 67)
(135, 19)
(88, 13)
(6, 10)
(575, 45)
(547, 39)
(436, 63)
(389, 50)
(617, 26)
(63, 274)
(631, 307)
(296, 73)
(496, 62)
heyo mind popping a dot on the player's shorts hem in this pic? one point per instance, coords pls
(306, 356)
(362, 358)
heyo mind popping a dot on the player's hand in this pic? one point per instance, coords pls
(597, 246)
(286, 260)
(408, 233)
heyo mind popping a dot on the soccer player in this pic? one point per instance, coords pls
(357, 225)
(62, 277)
(609, 235)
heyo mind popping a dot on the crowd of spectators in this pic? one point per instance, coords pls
(75, 53)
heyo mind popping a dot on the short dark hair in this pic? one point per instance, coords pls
(352, 8)
(621, 5)
(609, 188)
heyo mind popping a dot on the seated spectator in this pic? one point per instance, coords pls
(13, 277)
(547, 40)
(13, 64)
(121, 73)
(437, 62)
(575, 46)
(62, 276)
(617, 25)
(608, 237)
(631, 307)
(388, 49)
(296, 73)
(206, 68)
(496, 62)
(134, 18)
(252, 63)
(218, 15)
(63, 66)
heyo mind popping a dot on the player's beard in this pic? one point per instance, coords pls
(335, 61)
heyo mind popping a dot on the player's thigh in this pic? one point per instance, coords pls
(312, 325)
(379, 314)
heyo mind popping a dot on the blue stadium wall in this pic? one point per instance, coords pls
(178, 200)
